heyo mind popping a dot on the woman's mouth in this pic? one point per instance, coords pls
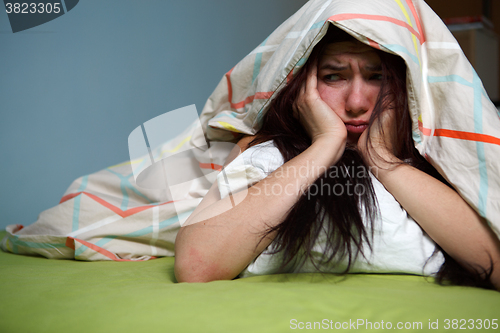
(356, 128)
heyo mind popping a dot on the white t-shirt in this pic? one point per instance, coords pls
(399, 244)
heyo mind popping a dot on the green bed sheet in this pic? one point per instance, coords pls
(42, 295)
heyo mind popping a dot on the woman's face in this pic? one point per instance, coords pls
(349, 81)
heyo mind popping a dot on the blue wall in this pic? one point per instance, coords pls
(72, 89)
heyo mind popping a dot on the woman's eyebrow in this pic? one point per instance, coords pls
(374, 68)
(334, 67)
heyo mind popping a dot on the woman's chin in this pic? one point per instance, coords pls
(353, 138)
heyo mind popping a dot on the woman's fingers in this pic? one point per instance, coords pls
(312, 79)
(314, 114)
(298, 102)
(381, 139)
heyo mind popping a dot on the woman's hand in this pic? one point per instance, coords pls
(318, 119)
(379, 150)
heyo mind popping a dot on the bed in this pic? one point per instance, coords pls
(105, 213)
(42, 295)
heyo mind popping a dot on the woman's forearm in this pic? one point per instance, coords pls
(438, 209)
(444, 216)
(218, 241)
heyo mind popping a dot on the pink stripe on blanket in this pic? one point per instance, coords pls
(70, 243)
(249, 99)
(122, 213)
(344, 17)
(212, 166)
(417, 19)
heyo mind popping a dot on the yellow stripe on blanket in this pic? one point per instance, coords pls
(228, 126)
(408, 19)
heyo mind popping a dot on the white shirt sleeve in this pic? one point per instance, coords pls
(250, 167)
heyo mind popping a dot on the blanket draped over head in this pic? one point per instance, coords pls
(106, 216)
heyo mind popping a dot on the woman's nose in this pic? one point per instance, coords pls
(358, 100)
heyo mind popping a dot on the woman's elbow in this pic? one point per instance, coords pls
(194, 268)
(187, 273)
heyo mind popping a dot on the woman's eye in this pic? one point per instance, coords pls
(377, 77)
(332, 77)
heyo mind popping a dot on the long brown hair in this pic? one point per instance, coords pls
(341, 216)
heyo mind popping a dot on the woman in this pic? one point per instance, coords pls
(347, 107)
